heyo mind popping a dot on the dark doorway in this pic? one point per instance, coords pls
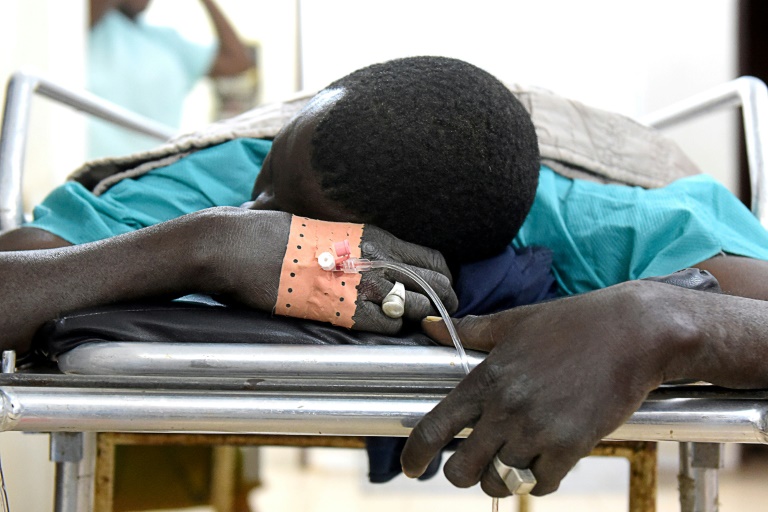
(752, 60)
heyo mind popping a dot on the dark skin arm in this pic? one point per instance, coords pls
(525, 400)
(735, 274)
(27, 239)
(169, 259)
(745, 277)
(229, 252)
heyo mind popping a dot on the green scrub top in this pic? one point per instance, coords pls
(221, 175)
(602, 234)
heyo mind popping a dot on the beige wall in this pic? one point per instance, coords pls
(630, 56)
(626, 56)
(47, 37)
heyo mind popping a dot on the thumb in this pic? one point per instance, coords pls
(474, 331)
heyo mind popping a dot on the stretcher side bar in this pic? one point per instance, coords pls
(22, 86)
(34, 409)
(238, 359)
(751, 95)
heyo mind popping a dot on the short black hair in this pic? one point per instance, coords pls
(435, 150)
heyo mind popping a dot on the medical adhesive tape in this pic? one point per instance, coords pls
(308, 291)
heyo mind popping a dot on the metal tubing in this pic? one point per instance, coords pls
(706, 420)
(130, 410)
(21, 87)
(751, 95)
(273, 361)
(8, 364)
(74, 454)
(66, 496)
(18, 98)
(698, 477)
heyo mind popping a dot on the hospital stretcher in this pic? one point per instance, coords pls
(280, 393)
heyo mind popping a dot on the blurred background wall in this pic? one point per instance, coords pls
(632, 57)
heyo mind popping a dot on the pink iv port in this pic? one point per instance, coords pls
(342, 251)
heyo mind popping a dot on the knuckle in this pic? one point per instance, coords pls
(429, 435)
(457, 472)
(389, 326)
(371, 250)
(441, 281)
(418, 306)
(492, 486)
(490, 375)
(368, 289)
(545, 486)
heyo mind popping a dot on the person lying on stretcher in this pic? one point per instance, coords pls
(430, 152)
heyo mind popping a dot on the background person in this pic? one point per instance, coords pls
(150, 69)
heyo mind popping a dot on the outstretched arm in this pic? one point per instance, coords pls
(739, 276)
(29, 238)
(233, 56)
(562, 375)
(230, 252)
(169, 259)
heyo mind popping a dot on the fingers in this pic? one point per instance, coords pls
(440, 283)
(374, 286)
(437, 428)
(474, 331)
(468, 464)
(369, 317)
(379, 244)
(551, 467)
(417, 307)
(516, 455)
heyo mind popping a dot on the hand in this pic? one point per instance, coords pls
(378, 244)
(560, 376)
(248, 247)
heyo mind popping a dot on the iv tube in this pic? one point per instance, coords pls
(354, 265)
(360, 265)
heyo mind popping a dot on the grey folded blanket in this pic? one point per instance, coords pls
(575, 140)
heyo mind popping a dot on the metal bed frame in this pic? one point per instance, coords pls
(320, 390)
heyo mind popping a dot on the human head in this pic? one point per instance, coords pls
(434, 150)
(132, 8)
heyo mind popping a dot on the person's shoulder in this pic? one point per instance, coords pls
(113, 21)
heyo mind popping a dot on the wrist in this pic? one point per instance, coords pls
(678, 329)
(239, 253)
(207, 236)
(657, 335)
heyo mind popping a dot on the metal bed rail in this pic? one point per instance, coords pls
(18, 102)
(727, 418)
(339, 390)
(751, 95)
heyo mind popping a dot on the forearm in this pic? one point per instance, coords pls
(746, 277)
(39, 285)
(233, 57)
(717, 338)
(29, 238)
